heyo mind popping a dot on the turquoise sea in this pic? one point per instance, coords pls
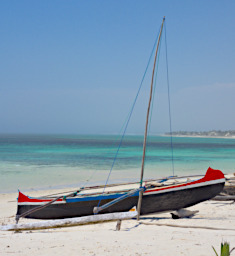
(29, 162)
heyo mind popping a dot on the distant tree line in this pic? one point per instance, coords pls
(213, 133)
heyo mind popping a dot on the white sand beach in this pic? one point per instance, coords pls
(152, 235)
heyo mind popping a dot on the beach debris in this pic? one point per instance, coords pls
(183, 226)
(224, 197)
(183, 213)
(229, 188)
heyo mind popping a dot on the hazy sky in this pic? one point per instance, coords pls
(75, 66)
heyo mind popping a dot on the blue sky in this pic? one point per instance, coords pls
(75, 66)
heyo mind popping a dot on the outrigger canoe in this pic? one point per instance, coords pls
(157, 197)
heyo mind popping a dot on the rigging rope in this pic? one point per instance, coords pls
(129, 115)
(155, 85)
(154, 89)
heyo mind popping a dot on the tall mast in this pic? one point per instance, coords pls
(146, 125)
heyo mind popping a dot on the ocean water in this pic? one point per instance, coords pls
(29, 162)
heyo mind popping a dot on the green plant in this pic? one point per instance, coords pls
(224, 249)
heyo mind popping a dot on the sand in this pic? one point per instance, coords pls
(135, 238)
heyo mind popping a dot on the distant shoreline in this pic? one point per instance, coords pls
(199, 136)
(206, 134)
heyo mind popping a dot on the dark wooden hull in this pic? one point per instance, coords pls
(152, 203)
